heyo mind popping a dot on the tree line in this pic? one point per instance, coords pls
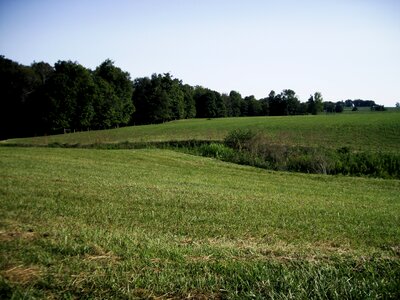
(42, 99)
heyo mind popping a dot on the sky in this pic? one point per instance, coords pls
(345, 49)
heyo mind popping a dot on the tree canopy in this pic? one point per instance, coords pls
(43, 99)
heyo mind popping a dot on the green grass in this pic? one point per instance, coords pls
(364, 131)
(78, 223)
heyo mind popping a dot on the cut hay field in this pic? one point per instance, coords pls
(128, 224)
(373, 131)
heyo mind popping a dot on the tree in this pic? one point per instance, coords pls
(348, 103)
(106, 113)
(220, 105)
(206, 106)
(318, 102)
(43, 70)
(161, 98)
(235, 100)
(121, 84)
(363, 103)
(228, 105)
(142, 99)
(66, 98)
(253, 106)
(315, 104)
(339, 107)
(276, 105)
(329, 107)
(17, 83)
(175, 97)
(292, 102)
(264, 106)
(190, 104)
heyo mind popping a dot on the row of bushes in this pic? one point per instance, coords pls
(247, 147)
(250, 148)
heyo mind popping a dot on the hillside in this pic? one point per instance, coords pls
(379, 131)
(146, 223)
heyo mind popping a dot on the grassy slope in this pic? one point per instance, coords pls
(94, 223)
(362, 131)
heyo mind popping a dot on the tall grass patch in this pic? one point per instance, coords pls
(255, 148)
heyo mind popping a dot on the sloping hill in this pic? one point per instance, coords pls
(364, 131)
(145, 223)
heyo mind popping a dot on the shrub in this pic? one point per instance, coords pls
(237, 139)
(217, 150)
(253, 148)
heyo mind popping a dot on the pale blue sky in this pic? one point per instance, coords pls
(342, 48)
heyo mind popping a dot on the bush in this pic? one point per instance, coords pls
(217, 150)
(239, 138)
(250, 148)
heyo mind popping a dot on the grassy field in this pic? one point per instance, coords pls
(78, 223)
(363, 131)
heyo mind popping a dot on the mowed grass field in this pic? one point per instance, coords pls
(126, 224)
(364, 131)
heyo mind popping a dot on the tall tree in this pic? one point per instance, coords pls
(292, 102)
(253, 106)
(43, 70)
(220, 111)
(67, 98)
(206, 106)
(315, 103)
(121, 83)
(277, 106)
(160, 99)
(18, 84)
(190, 104)
(264, 106)
(318, 102)
(236, 100)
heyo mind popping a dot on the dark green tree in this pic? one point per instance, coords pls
(43, 70)
(66, 98)
(264, 106)
(190, 104)
(315, 104)
(339, 107)
(17, 83)
(161, 98)
(122, 86)
(292, 101)
(206, 105)
(228, 105)
(235, 100)
(220, 105)
(253, 106)
(277, 105)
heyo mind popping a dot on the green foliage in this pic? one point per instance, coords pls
(255, 149)
(209, 104)
(218, 151)
(160, 98)
(120, 108)
(239, 138)
(235, 100)
(315, 104)
(66, 97)
(17, 84)
(41, 100)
